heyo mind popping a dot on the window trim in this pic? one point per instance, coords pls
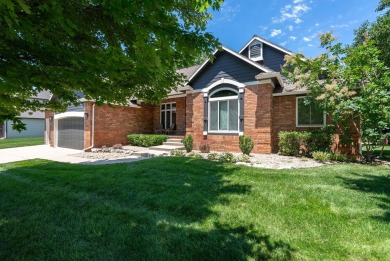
(219, 99)
(258, 58)
(165, 110)
(306, 125)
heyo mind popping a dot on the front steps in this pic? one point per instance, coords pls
(173, 143)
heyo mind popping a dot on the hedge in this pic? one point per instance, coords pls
(146, 140)
(293, 143)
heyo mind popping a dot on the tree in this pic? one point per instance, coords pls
(109, 50)
(379, 31)
(354, 89)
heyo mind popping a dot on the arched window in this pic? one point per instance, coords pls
(223, 111)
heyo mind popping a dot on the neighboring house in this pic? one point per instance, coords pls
(35, 122)
(239, 93)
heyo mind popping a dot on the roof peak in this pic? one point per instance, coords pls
(264, 40)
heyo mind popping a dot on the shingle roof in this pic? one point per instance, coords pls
(43, 95)
(188, 72)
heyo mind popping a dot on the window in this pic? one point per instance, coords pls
(168, 115)
(309, 115)
(224, 111)
(256, 51)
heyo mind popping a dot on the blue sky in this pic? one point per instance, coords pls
(294, 24)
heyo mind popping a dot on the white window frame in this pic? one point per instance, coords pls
(165, 110)
(306, 125)
(219, 99)
(259, 58)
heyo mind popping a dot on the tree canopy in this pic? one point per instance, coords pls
(379, 31)
(351, 84)
(109, 50)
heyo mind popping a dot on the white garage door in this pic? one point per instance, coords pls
(34, 128)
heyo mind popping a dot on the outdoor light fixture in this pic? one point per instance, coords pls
(50, 118)
(86, 116)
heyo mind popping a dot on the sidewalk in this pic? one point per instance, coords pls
(54, 154)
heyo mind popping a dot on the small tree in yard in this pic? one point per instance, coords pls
(246, 144)
(352, 85)
(188, 142)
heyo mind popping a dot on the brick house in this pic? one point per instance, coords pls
(239, 93)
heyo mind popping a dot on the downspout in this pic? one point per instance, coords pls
(93, 129)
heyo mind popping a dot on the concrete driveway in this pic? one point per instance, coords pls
(54, 154)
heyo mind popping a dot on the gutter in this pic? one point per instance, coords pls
(93, 129)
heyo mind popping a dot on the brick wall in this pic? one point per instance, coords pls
(180, 114)
(258, 116)
(112, 124)
(257, 121)
(284, 119)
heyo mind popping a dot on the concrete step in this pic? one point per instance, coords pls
(175, 137)
(174, 140)
(167, 148)
(171, 143)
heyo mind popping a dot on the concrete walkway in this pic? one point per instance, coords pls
(54, 154)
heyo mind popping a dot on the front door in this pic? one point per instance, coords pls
(168, 115)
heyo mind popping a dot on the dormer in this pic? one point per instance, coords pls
(266, 53)
(255, 51)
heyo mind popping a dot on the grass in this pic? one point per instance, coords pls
(20, 142)
(386, 152)
(193, 209)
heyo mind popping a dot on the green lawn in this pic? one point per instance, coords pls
(386, 152)
(191, 209)
(20, 142)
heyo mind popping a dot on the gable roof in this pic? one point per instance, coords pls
(240, 56)
(188, 72)
(260, 39)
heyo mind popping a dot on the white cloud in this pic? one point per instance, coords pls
(290, 27)
(310, 45)
(297, 1)
(298, 21)
(317, 24)
(293, 38)
(291, 12)
(228, 12)
(276, 32)
(306, 39)
(284, 43)
(263, 29)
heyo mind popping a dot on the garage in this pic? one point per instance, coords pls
(71, 133)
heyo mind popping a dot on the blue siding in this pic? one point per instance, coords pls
(225, 66)
(79, 108)
(272, 58)
(34, 128)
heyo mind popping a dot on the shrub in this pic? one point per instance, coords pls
(204, 147)
(177, 153)
(246, 144)
(195, 155)
(188, 142)
(213, 156)
(146, 140)
(321, 156)
(117, 146)
(319, 140)
(227, 157)
(243, 158)
(338, 157)
(290, 142)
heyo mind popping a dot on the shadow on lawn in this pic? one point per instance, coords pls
(158, 209)
(378, 185)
